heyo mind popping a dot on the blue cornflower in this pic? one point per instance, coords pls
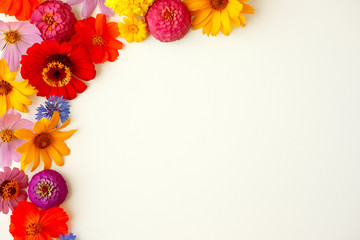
(51, 105)
(69, 236)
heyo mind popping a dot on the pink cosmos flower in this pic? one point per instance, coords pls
(55, 20)
(15, 39)
(89, 6)
(8, 142)
(12, 183)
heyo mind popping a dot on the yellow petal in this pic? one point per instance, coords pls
(61, 147)
(3, 105)
(62, 135)
(225, 23)
(195, 5)
(25, 134)
(55, 155)
(46, 159)
(202, 17)
(216, 23)
(36, 159)
(65, 124)
(39, 126)
(23, 148)
(4, 68)
(53, 122)
(247, 9)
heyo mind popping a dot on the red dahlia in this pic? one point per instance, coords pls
(54, 69)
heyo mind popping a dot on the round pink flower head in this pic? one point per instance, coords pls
(55, 20)
(12, 183)
(8, 142)
(168, 20)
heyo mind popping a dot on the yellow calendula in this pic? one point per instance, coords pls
(45, 141)
(12, 93)
(214, 16)
(133, 29)
(129, 7)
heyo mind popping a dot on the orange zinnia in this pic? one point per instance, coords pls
(45, 141)
(29, 223)
(21, 9)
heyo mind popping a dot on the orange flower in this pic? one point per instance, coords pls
(29, 223)
(46, 141)
(99, 37)
(21, 9)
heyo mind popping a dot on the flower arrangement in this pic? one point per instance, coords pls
(57, 54)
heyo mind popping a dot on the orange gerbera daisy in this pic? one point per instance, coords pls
(21, 9)
(99, 37)
(30, 223)
(45, 141)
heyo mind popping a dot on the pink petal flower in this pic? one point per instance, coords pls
(89, 6)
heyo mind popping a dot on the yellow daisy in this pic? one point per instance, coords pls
(12, 93)
(133, 29)
(218, 15)
(45, 141)
(129, 7)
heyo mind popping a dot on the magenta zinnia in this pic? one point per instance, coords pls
(12, 183)
(15, 39)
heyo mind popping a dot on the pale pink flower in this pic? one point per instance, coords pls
(8, 142)
(89, 6)
(15, 39)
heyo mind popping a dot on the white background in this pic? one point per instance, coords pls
(253, 136)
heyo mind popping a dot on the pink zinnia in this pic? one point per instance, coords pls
(12, 183)
(15, 39)
(89, 6)
(55, 20)
(8, 142)
(168, 20)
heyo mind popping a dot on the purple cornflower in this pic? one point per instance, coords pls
(47, 189)
(51, 105)
(15, 39)
(89, 6)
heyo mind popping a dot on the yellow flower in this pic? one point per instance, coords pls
(12, 93)
(45, 141)
(218, 15)
(129, 7)
(133, 29)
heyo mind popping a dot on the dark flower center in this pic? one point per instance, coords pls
(168, 14)
(42, 140)
(57, 70)
(45, 188)
(97, 40)
(33, 229)
(6, 135)
(12, 37)
(219, 4)
(5, 87)
(9, 190)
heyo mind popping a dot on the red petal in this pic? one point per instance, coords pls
(100, 23)
(71, 91)
(79, 86)
(53, 221)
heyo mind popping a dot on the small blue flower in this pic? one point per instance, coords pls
(51, 105)
(69, 236)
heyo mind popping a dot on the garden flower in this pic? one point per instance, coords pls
(21, 9)
(51, 105)
(12, 93)
(69, 236)
(168, 20)
(55, 69)
(129, 7)
(99, 37)
(30, 223)
(15, 39)
(89, 6)
(55, 20)
(47, 189)
(12, 185)
(10, 122)
(133, 29)
(44, 141)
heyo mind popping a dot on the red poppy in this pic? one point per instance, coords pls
(99, 37)
(21, 9)
(55, 70)
(29, 223)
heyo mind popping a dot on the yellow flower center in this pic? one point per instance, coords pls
(133, 28)
(6, 135)
(219, 4)
(168, 14)
(5, 87)
(12, 37)
(44, 189)
(33, 229)
(56, 74)
(48, 18)
(9, 190)
(97, 40)
(42, 140)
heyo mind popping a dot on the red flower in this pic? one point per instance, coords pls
(29, 223)
(55, 69)
(21, 9)
(99, 38)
